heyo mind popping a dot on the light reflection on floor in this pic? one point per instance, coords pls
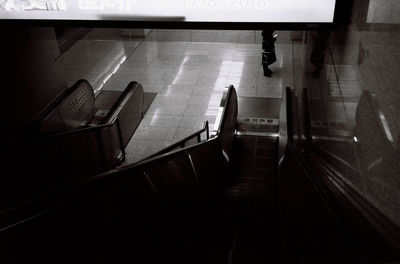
(187, 73)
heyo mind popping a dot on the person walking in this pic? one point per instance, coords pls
(268, 50)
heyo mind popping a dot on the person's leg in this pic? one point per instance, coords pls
(267, 46)
(267, 71)
(265, 64)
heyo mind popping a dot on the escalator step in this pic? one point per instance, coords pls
(252, 187)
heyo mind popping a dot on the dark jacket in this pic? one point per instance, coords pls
(268, 47)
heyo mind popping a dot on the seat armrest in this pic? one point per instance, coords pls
(129, 110)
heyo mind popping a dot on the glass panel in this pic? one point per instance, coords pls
(352, 79)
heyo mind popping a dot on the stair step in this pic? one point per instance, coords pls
(266, 196)
(253, 189)
(255, 141)
(252, 171)
(261, 107)
(249, 150)
(257, 124)
(257, 134)
(260, 180)
(250, 189)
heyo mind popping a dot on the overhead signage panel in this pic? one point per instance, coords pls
(249, 11)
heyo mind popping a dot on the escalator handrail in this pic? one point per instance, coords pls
(379, 115)
(289, 120)
(59, 136)
(71, 132)
(151, 159)
(78, 130)
(225, 101)
(58, 194)
(308, 169)
(51, 200)
(331, 156)
(113, 110)
(307, 118)
(337, 194)
(53, 105)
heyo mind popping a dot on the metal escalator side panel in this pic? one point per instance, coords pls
(228, 123)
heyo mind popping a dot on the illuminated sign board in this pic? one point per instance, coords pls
(248, 11)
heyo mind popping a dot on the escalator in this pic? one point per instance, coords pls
(251, 195)
(233, 198)
(324, 218)
(167, 207)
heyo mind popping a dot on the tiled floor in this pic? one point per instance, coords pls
(188, 69)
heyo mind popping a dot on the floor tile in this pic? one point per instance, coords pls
(149, 132)
(137, 150)
(161, 120)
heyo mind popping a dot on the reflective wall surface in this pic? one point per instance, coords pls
(352, 75)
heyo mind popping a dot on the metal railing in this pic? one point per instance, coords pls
(184, 142)
(98, 130)
(197, 135)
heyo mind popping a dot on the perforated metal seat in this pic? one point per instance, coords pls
(75, 110)
(71, 140)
